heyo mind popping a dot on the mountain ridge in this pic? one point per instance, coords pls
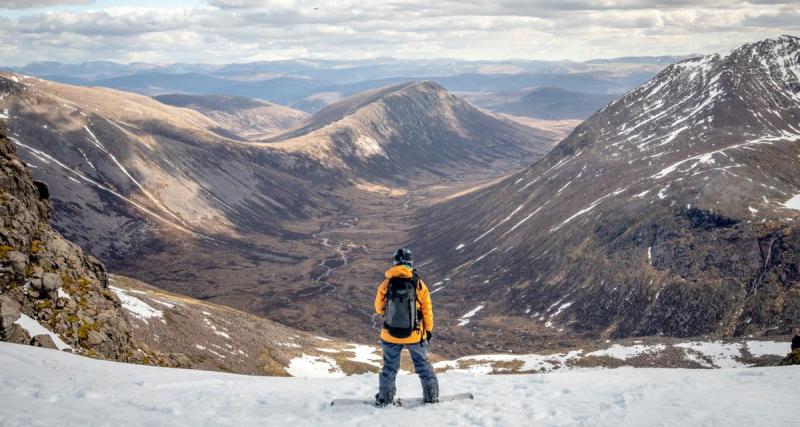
(628, 226)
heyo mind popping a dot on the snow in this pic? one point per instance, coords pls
(34, 328)
(649, 254)
(365, 354)
(137, 307)
(499, 223)
(63, 294)
(214, 328)
(561, 308)
(624, 352)
(768, 348)
(722, 355)
(464, 320)
(289, 344)
(164, 303)
(484, 364)
(592, 206)
(40, 387)
(793, 203)
(307, 366)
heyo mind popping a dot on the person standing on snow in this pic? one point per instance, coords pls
(405, 303)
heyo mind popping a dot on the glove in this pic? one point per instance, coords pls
(428, 336)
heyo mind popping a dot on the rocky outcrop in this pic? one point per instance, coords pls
(49, 279)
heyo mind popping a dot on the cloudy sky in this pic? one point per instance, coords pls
(222, 31)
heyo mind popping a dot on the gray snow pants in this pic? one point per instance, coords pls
(391, 364)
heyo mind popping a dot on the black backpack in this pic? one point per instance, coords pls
(401, 318)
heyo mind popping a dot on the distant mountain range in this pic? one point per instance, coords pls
(310, 85)
(547, 103)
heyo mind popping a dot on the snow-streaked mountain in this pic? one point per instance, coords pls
(671, 211)
(59, 388)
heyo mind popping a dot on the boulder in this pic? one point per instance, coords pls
(9, 311)
(51, 282)
(18, 261)
(16, 335)
(96, 338)
(44, 341)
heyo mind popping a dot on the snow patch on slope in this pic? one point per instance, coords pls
(137, 307)
(34, 328)
(624, 352)
(307, 366)
(464, 320)
(793, 203)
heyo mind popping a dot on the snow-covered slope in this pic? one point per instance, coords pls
(41, 387)
(668, 211)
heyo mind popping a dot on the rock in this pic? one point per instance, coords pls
(36, 284)
(792, 359)
(15, 334)
(44, 341)
(18, 261)
(9, 312)
(51, 282)
(796, 342)
(180, 360)
(96, 338)
(38, 272)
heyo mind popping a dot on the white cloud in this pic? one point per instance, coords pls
(29, 4)
(243, 30)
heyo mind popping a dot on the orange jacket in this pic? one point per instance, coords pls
(423, 305)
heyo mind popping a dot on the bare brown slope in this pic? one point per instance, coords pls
(248, 118)
(415, 127)
(129, 172)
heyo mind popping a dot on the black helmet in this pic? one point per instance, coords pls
(403, 256)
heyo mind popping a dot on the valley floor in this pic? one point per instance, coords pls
(47, 387)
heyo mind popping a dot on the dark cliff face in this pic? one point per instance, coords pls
(667, 212)
(50, 280)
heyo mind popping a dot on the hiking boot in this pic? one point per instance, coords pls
(382, 401)
(430, 392)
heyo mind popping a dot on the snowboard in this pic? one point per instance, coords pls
(407, 402)
(417, 401)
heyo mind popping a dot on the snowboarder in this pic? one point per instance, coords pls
(405, 303)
